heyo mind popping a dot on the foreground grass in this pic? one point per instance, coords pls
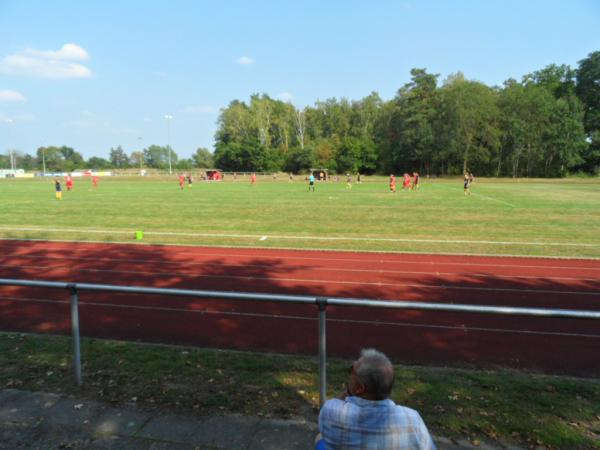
(531, 217)
(503, 406)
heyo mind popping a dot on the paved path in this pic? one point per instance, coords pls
(38, 420)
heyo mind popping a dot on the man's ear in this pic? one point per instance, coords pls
(360, 388)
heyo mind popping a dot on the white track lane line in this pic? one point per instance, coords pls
(321, 282)
(310, 238)
(312, 319)
(156, 263)
(322, 250)
(268, 255)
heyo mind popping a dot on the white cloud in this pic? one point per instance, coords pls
(70, 52)
(11, 96)
(286, 96)
(201, 109)
(47, 63)
(245, 60)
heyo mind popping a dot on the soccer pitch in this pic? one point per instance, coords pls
(500, 217)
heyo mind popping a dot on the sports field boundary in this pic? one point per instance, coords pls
(263, 237)
(320, 249)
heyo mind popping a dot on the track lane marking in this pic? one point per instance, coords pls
(312, 319)
(317, 258)
(305, 268)
(311, 238)
(322, 281)
(194, 246)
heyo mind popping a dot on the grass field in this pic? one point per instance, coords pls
(505, 217)
(498, 406)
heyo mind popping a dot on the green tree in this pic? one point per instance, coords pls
(97, 163)
(588, 91)
(55, 158)
(526, 115)
(119, 158)
(72, 159)
(185, 164)
(157, 157)
(469, 133)
(560, 80)
(203, 158)
(411, 126)
(4, 162)
(300, 159)
(565, 138)
(29, 162)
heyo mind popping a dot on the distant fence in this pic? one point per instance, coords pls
(320, 302)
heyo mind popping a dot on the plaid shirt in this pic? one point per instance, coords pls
(356, 423)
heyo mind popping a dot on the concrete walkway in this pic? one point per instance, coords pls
(37, 420)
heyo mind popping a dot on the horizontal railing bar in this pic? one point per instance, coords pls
(351, 302)
(459, 307)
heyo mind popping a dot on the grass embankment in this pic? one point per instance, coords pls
(503, 406)
(527, 217)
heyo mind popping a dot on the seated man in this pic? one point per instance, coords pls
(364, 416)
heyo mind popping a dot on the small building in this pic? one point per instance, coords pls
(214, 175)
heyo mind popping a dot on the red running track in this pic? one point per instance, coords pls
(436, 338)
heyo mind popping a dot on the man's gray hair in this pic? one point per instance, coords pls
(376, 372)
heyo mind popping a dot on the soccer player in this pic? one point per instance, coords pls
(348, 180)
(466, 184)
(311, 183)
(57, 189)
(69, 182)
(392, 183)
(95, 181)
(406, 184)
(190, 180)
(253, 179)
(416, 180)
(181, 180)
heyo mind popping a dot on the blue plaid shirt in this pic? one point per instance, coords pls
(356, 423)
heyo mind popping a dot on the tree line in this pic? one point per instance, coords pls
(545, 125)
(66, 159)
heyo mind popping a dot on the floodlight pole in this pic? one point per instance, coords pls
(169, 117)
(141, 154)
(10, 151)
(44, 160)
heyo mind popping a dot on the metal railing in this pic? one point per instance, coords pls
(320, 302)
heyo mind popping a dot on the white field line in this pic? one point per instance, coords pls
(292, 237)
(493, 199)
(321, 282)
(191, 265)
(311, 318)
(321, 251)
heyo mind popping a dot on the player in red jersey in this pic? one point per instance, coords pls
(253, 178)
(69, 182)
(406, 184)
(181, 181)
(392, 183)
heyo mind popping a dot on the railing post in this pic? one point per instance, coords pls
(322, 304)
(75, 331)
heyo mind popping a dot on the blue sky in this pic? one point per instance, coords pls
(94, 75)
